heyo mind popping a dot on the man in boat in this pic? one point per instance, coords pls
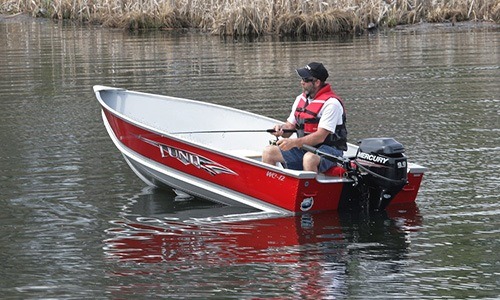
(318, 117)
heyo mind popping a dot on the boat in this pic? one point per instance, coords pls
(214, 152)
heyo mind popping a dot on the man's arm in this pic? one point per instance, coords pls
(311, 139)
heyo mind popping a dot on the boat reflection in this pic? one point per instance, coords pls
(154, 229)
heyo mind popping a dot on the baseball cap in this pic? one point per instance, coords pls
(314, 69)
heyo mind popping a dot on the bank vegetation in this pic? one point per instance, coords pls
(258, 17)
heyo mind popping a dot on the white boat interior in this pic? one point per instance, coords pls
(231, 131)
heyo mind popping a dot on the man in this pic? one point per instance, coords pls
(318, 116)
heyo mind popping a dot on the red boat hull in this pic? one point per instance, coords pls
(267, 184)
(147, 130)
(271, 186)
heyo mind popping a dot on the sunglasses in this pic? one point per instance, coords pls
(309, 79)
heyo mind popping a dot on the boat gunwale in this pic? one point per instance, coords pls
(412, 167)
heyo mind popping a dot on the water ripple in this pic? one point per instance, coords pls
(76, 222)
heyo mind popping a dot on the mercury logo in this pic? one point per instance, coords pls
(373, 158)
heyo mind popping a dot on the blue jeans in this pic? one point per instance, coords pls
(293, 158)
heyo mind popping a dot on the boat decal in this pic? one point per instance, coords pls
(189, 158)
(276, 176)
(372, 157)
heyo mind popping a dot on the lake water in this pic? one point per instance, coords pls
(76, 223)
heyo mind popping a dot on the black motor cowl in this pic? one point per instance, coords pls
(384, 167)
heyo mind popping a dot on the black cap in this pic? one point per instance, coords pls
(314, 69)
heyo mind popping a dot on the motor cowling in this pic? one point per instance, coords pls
(383, 166)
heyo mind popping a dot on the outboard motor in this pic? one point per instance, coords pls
(383, 168)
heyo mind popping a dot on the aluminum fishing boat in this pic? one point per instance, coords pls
(214, 152)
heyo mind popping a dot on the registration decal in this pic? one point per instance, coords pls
(275, 176)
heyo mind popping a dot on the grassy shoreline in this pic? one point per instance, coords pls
(258, 17)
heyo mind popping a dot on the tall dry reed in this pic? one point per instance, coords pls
(256, 17)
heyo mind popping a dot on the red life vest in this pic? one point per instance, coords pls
(307, 118)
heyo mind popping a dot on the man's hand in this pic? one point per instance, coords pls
(311, 139)
(278, 130)
(287, 144)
